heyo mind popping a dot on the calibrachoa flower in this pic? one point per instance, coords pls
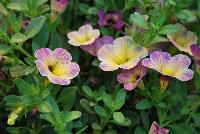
(155, 129)
(131, 77)
(122, 54)
(97, 44)
(57, 7)
(113, 18)
(176, 66)
(25, 23)
(84, 36)
(56, 65)
(196, 54)
(183, 39)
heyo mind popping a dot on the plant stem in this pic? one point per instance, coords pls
(22, 50)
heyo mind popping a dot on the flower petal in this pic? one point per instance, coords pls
(43, 53)
(62, 56)
(184, 75)
(59, 80)
(108, 66)
(42, 68)
(74, 70)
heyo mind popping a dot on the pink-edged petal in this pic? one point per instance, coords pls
(148, 63)
(108, 66)
(123, 40)
(180, 61)
(42, 68)
(105, 53)
(130, 86)
(184, 75)
(43, 53)
(124, 77)
(74, 70)
(96, 33)
(85, 28)
(59, 80)
(159, 58)
(62, 55)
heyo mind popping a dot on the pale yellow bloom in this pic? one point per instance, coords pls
(84, 36)
(123, 53)
(183, 39)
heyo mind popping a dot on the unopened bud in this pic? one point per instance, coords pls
(14, 115)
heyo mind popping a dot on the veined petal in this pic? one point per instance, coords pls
(74, 70)
(42, 67)
(62, 55)
(59, 80)
(108, 66)
(43, 53)
(184, 75)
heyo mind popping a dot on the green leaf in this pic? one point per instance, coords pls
(41, 39)
(27, 100)
(34, 27)
(4, 49)
(18, 38)
(119, 99)
(139, 130)
(118, 116)
(143, 104)
(18, 6)
(107, 100)
(85, 104)
(18, 71)
(67, 97)
(145, 119)
(100, 111)
(196, 118)
(186, 16)
(96, 126)
(12, 99)
(72, 116)
(183, 129)
(48, 117)
(139, 20)
(88, 91)
(23, 86)
(44, 107)
(196, 81)
(168, 29)
(55, 109)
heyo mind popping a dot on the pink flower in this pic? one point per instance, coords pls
(56, 65)
(97, 44)
(176, 66)
(58, 6)
(155, 129)
(113, 18)
(131, 77)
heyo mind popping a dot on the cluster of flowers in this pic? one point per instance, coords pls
(121, 53)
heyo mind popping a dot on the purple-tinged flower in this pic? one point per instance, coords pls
(176, 66)
(58, 5)
(132, 77)
(123, 53)
(155, 129)
(113, 18)
(195, 51)
(56, 65)
(25, 23)
(97, 44)
(196, 55)
(183, 39)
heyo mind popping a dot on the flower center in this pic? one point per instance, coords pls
(58, 69)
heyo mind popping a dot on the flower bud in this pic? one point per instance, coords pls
(164, 82)
(14, 115)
